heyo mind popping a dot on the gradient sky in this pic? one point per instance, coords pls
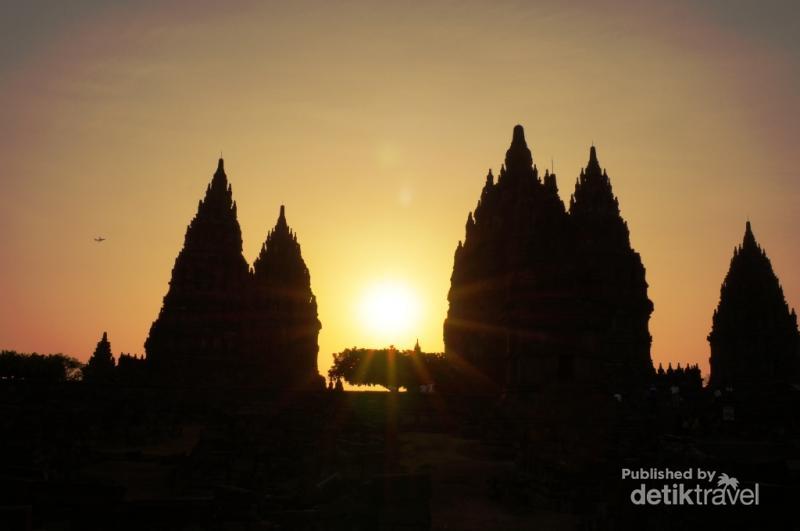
(375, 123)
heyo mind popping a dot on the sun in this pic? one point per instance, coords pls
(389, 310)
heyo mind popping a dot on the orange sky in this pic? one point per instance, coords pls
(375, 123)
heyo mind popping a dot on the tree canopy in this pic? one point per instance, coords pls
(38, 367)
(389, 367)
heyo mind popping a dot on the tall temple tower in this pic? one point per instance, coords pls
(285, 326)
(509, 288)
(198, 335)
(539, 295)
(612, 290)
(754, 337)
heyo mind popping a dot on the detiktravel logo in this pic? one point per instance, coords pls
(688, 487)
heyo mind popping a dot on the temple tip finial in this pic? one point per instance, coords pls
(518, 154)
(749, 238)
(593, 163)
(282, 218)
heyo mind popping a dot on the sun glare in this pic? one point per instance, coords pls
(390, 310)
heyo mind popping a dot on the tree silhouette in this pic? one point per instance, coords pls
(389, 367)
(48, 368)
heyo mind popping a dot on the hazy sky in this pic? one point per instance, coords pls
(375, 123)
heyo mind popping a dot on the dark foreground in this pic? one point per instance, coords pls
(78, 457)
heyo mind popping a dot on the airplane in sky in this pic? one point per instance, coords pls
(99, 239)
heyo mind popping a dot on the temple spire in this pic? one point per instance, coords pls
(220, 179)
(594, 197)
(749, 240)
(518, 154)
(518, 136)
(100, 367)
(282, 219)
(593, 163)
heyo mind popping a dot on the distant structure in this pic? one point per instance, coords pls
(685, 379)
(131, 369)
(540, 295)
(754, 337)
(100, 367)
(221, 323)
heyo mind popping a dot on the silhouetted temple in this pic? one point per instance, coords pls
(199, 332)
(612, 288)
(754, 336)
(539, 294)
(686, 378)
(220, 322)
(285, 326)
(100, 367)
